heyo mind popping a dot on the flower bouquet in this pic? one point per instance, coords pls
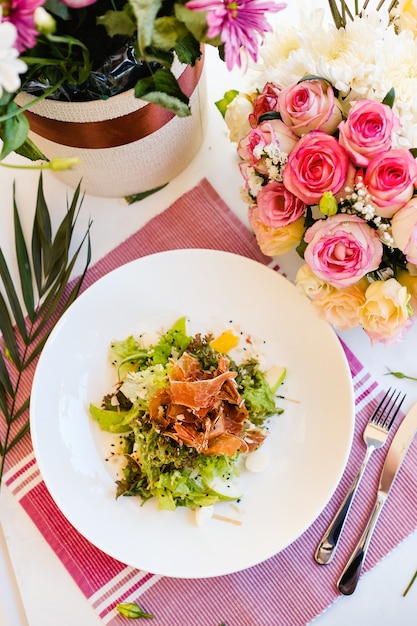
(326, 141)
(78, 50)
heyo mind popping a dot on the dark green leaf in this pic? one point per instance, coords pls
(14, 130)
(269, 115)
(163, 89)
(18, 412)
(188, 49)
(20, 434)
(6, 327)
(41, 236)
(389, 98)
(23, 263)
(4, 408)
(141, 196)
(12, 296)
(30, 151)
(5, 381)
(414, 152)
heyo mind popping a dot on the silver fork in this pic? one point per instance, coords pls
(374, 436)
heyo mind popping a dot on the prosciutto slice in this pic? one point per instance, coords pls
(204, 409)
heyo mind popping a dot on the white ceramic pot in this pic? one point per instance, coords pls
(126, 145)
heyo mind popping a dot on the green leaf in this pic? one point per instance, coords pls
(18, 412)
(12, 296)
(6, 327)
(19, 435)
(144, 194)
(117, 23)
(269, 115)
(14, 130)
(167, 30)
(228, 97)
(41, 236)
(5, 381)
(54, 301)
(145, 12)
(195, 21)
(23, 263)
(389, 98)
(162, 88)
(30, 151)
(414, 152)
(188, 49)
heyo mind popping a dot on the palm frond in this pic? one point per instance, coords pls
(49, 266)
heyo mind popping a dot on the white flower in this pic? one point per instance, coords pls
(236, 117)
(10, 65)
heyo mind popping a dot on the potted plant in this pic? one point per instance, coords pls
(79, 55)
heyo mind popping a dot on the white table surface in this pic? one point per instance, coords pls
(50, 596)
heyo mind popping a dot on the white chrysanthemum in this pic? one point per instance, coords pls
(10, 65)
(398, 70)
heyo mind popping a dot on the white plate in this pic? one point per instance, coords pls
(308, 444)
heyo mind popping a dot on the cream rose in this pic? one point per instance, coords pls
(310, 284)
(404, 230)
(340, 307)
(385, 314)
(275, 241)
(237, 117)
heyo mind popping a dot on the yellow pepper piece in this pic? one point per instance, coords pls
(225, 342)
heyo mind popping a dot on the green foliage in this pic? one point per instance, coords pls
(228, 97)
(162, 88)
(44, 271)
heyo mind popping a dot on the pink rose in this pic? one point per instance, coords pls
(390, 180)
(277, 206)
(342, 249)
(309, 105)
(318, 163)
(266, 102)
(78, 4)
(404, 230)
(251, 148)
(274, 241)
(385, 316)
(368, 130)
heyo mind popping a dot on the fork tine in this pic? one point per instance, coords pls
(387, 410)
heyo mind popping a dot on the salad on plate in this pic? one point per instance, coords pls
(187, 415)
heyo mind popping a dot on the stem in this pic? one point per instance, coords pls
(407, 589)
(20, 110)
(41, 166)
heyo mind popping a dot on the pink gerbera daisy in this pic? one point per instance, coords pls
(21, 13)
(239, 24)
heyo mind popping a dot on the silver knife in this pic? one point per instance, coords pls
(395, 456)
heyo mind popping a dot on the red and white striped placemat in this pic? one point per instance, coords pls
(289, 589)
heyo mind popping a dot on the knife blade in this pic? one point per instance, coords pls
(393, 461)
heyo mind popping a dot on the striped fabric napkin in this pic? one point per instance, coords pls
(289, 588)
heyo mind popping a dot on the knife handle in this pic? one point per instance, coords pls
(350, 575)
